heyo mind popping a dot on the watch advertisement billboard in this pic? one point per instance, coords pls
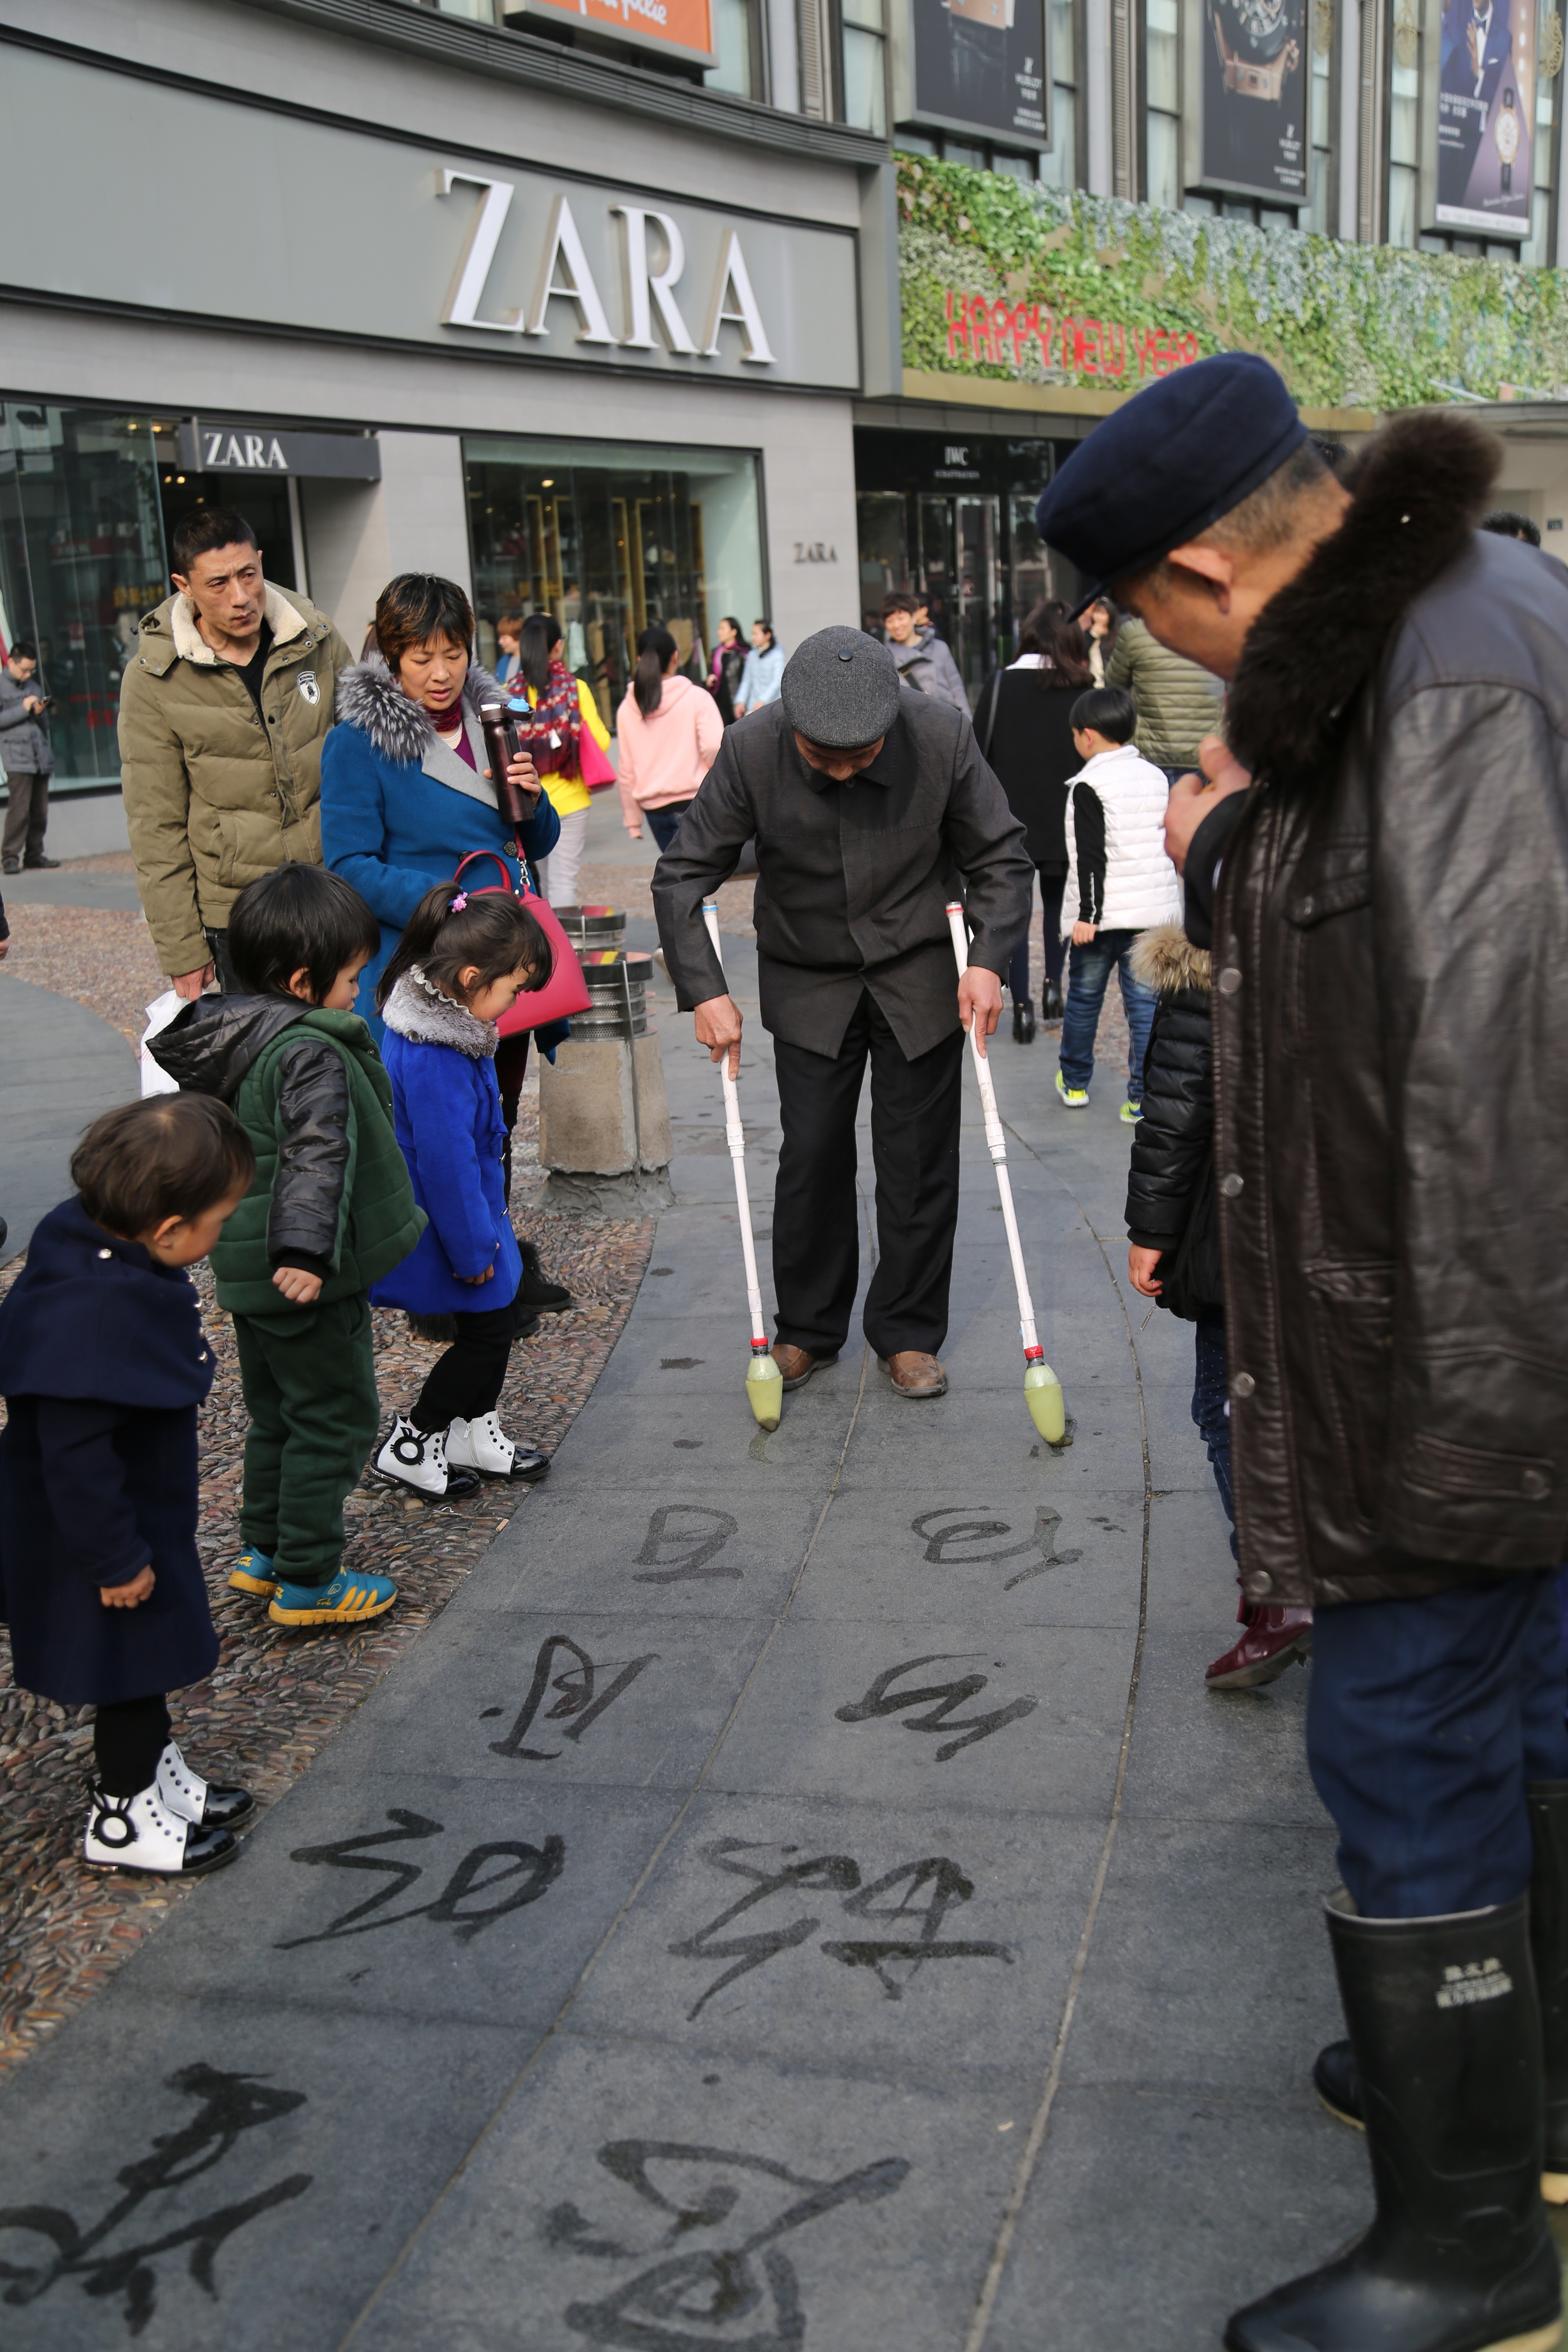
(1254, 98)
(980, 65)
(1486, 117)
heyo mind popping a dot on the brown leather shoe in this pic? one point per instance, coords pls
(914, 1374)
(1275, 1639)
(798, 1364)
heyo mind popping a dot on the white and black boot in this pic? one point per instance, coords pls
(140, 1834)
(205, 1804)
(417, 1458)
(481, 1445)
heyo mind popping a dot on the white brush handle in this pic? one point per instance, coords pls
(734, 1134)
(997, 1141)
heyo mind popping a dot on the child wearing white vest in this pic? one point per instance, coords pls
(1120, 882)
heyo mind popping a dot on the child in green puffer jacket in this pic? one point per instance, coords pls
(332, 1209)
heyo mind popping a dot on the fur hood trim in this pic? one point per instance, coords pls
(1166, 960)
(370, 698)
(281, 617)
(1417, 495)
(419, 1011)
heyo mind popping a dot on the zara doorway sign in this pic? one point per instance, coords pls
(585, 273)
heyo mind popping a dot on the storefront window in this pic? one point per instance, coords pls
(609, 537)
(1059, 168)
(81, 558)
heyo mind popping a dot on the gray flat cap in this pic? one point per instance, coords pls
(840, 689)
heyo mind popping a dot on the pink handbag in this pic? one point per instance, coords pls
(565, 991)
(594, 765)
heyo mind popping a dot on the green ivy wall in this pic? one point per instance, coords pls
(1029, 284)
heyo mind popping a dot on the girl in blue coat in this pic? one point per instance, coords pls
(464, 960)
(103, 1363)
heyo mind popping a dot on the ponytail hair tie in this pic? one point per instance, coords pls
(459, 903)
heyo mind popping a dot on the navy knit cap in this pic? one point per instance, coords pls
(840, 689)
(1179, 455)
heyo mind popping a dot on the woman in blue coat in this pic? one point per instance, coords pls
(405, 782)
(407, 794)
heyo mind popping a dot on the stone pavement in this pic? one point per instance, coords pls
(800, 1896)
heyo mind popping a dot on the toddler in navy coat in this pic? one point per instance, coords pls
(464, 958)
(103, 1362)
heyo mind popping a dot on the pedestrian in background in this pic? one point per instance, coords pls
(509, 640)
(1024, 723)
(560, 729)
(28, 758)
(1101, 625)
(763, 671)
(1178, 702)
(670, 731)
(1120, 883)
(1394, 1140)
(222, 715)
(103, 1365)
(724, 669)
(924, 661)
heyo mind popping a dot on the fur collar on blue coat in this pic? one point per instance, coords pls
(370, 698)
(91, 1315)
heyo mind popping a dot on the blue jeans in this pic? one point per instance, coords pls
(1211, 1405)
(664, 823)
(1424, 1721)
(1089, 976)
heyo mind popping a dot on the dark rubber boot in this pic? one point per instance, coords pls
(1024, 1020)
(1548, 1803)
(1053, 1004)
(1447, 2036)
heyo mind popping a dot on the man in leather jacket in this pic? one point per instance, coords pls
(1390, 951)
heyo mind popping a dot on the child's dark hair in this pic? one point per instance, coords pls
(1109, 709)
(170, 1156)
(298, 918)
(489, 931)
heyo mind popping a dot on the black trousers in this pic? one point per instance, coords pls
(466, 1382)
(128, 1739)
(914, 1140)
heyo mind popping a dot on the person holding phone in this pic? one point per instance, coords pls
(28, 757)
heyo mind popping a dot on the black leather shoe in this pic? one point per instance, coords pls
(537, 1291)
(10, 866)
(40, 865)
(1053, 1005)
(1022, 1021)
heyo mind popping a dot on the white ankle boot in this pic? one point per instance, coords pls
(481, 1445)
(140, 1834)
(203, 1803)
(414, 1457)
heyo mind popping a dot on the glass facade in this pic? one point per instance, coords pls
(81, 557)
(609, 537)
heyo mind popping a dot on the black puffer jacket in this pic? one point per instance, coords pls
(1391, 1034)
(210, 1049)
(1171, 1204)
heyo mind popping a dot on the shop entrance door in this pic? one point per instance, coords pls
(974, 649)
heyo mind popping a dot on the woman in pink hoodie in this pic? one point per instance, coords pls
(668, 731)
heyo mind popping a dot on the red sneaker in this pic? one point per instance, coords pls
(1272, 1640)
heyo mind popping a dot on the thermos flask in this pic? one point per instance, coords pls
(502, 747)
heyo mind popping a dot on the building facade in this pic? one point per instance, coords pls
(681, 309)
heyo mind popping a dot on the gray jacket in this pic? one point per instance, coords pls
(853, 879)
(25, 746)
(926, 664)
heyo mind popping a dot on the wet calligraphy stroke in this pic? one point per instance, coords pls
(682, 1542)
(895, 1959)
(743, 2296)
(231, 2106)
(526, 1872)
(943, 1699)
(972, 1542)
(577, 1704)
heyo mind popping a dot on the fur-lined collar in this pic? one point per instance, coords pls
(418, 1010)
(370, 698)
(1165, 959)
(281, 616)
(1418, 493)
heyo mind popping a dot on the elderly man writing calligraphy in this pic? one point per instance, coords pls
(1390, 1029)
(864, 797)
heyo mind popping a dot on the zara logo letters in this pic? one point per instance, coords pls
(651, 312)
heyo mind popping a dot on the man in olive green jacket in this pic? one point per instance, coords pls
(1178, 702)
(222, 716)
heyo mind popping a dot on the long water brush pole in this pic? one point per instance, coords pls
(1042, 1389)
(764, 1381)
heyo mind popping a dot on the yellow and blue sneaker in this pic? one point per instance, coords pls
(252, 1573)
(1075, 1097)
(348, 1599)
(1131, 1113)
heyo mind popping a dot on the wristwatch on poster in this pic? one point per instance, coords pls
(1262, 48)
(1507, 137)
